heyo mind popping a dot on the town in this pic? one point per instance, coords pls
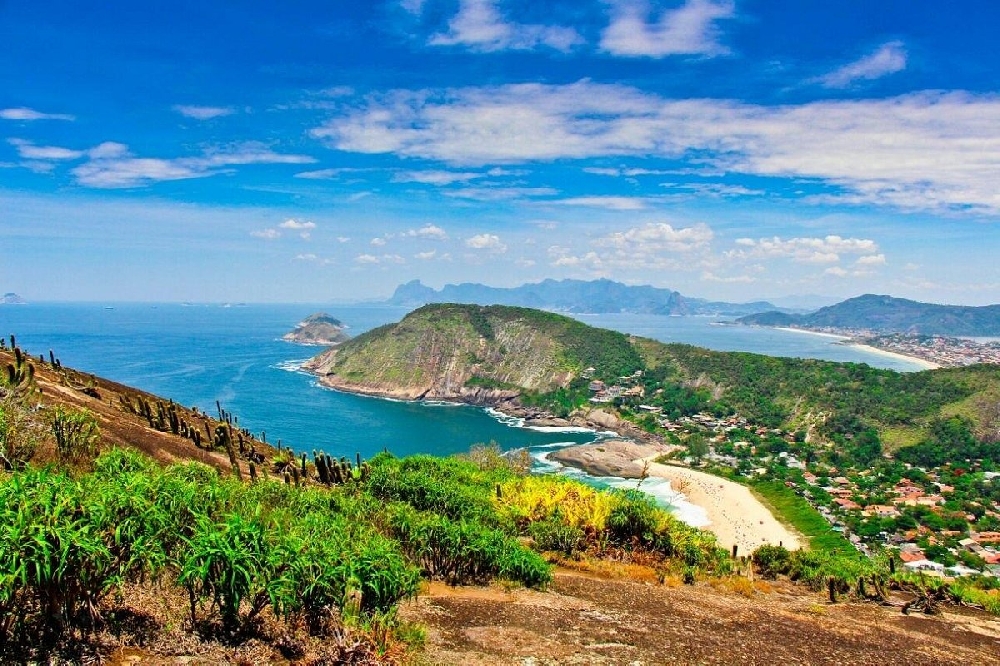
(943, 521)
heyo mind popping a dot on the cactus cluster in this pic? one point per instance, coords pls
(334, 472)
(19, 377)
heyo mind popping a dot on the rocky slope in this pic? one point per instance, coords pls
(473, 353)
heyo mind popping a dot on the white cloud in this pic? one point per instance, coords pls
(306, 257)
(924, 151)
(608, 202)
(658, 238)
(525, 263)
(202, 112)
(380, 259)
(425, 255)
(377, 242)
(688, 30)
(24, 113)
(29, 151)
(111, 165)
(435, 177)
(871, 260)
(343, 239)
(836, 271)
(266, 234)
(825, 250)
(628, 173)
(329, 174)
(297, 225)
(499, 193)
(428, 231)
(488, 242)
(887, 59)
(480, 26)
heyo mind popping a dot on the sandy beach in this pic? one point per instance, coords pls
(929, 365)
(735, 514)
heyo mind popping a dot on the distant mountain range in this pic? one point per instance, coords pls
(11, 298)
(576, 296)
(887, 314)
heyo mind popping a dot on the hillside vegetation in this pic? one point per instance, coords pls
(483, 354)
(455, 351)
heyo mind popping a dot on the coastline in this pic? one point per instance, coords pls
(847, 340)
(927, 365)
(735, 515)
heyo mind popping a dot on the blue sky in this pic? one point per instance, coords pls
(320, 151)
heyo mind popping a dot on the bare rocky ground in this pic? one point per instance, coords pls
(583, 619)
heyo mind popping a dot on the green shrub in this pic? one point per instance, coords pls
(77, 434)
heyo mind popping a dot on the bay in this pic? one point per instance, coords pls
(198, 354)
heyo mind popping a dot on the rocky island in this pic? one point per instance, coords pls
(319, 329)
(11, 298)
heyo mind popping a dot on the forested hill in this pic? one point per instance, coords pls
(452, 351)
(577, 296)
(891, 315)
(489, 354)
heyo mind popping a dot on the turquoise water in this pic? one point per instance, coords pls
(199, 354)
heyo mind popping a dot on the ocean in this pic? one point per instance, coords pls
(197, 354)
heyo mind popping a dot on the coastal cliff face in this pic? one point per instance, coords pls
(480, 355)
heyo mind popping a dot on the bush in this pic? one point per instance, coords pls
(554, 535)
(77, 434)
(771, 561)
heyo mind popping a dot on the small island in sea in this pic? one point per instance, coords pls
(10, 298)
(318, 329)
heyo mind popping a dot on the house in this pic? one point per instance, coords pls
(960, 570)
(925, 566)
(597, 386)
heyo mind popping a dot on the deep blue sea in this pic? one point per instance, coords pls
(197, 354)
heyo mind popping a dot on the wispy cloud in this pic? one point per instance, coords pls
(886, 59)
(30, 151)
(24, 113)
(112, 165)
(203, 112)
(435, 177)
(480, 26)
(606, 202)
(266, 234)
(297, 225)
(688, 30)
(924, 151)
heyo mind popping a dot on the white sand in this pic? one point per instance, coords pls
(929, 365)
(736, 515)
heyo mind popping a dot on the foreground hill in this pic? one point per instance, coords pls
(887, 314)
(186, 564)
(577, 296)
